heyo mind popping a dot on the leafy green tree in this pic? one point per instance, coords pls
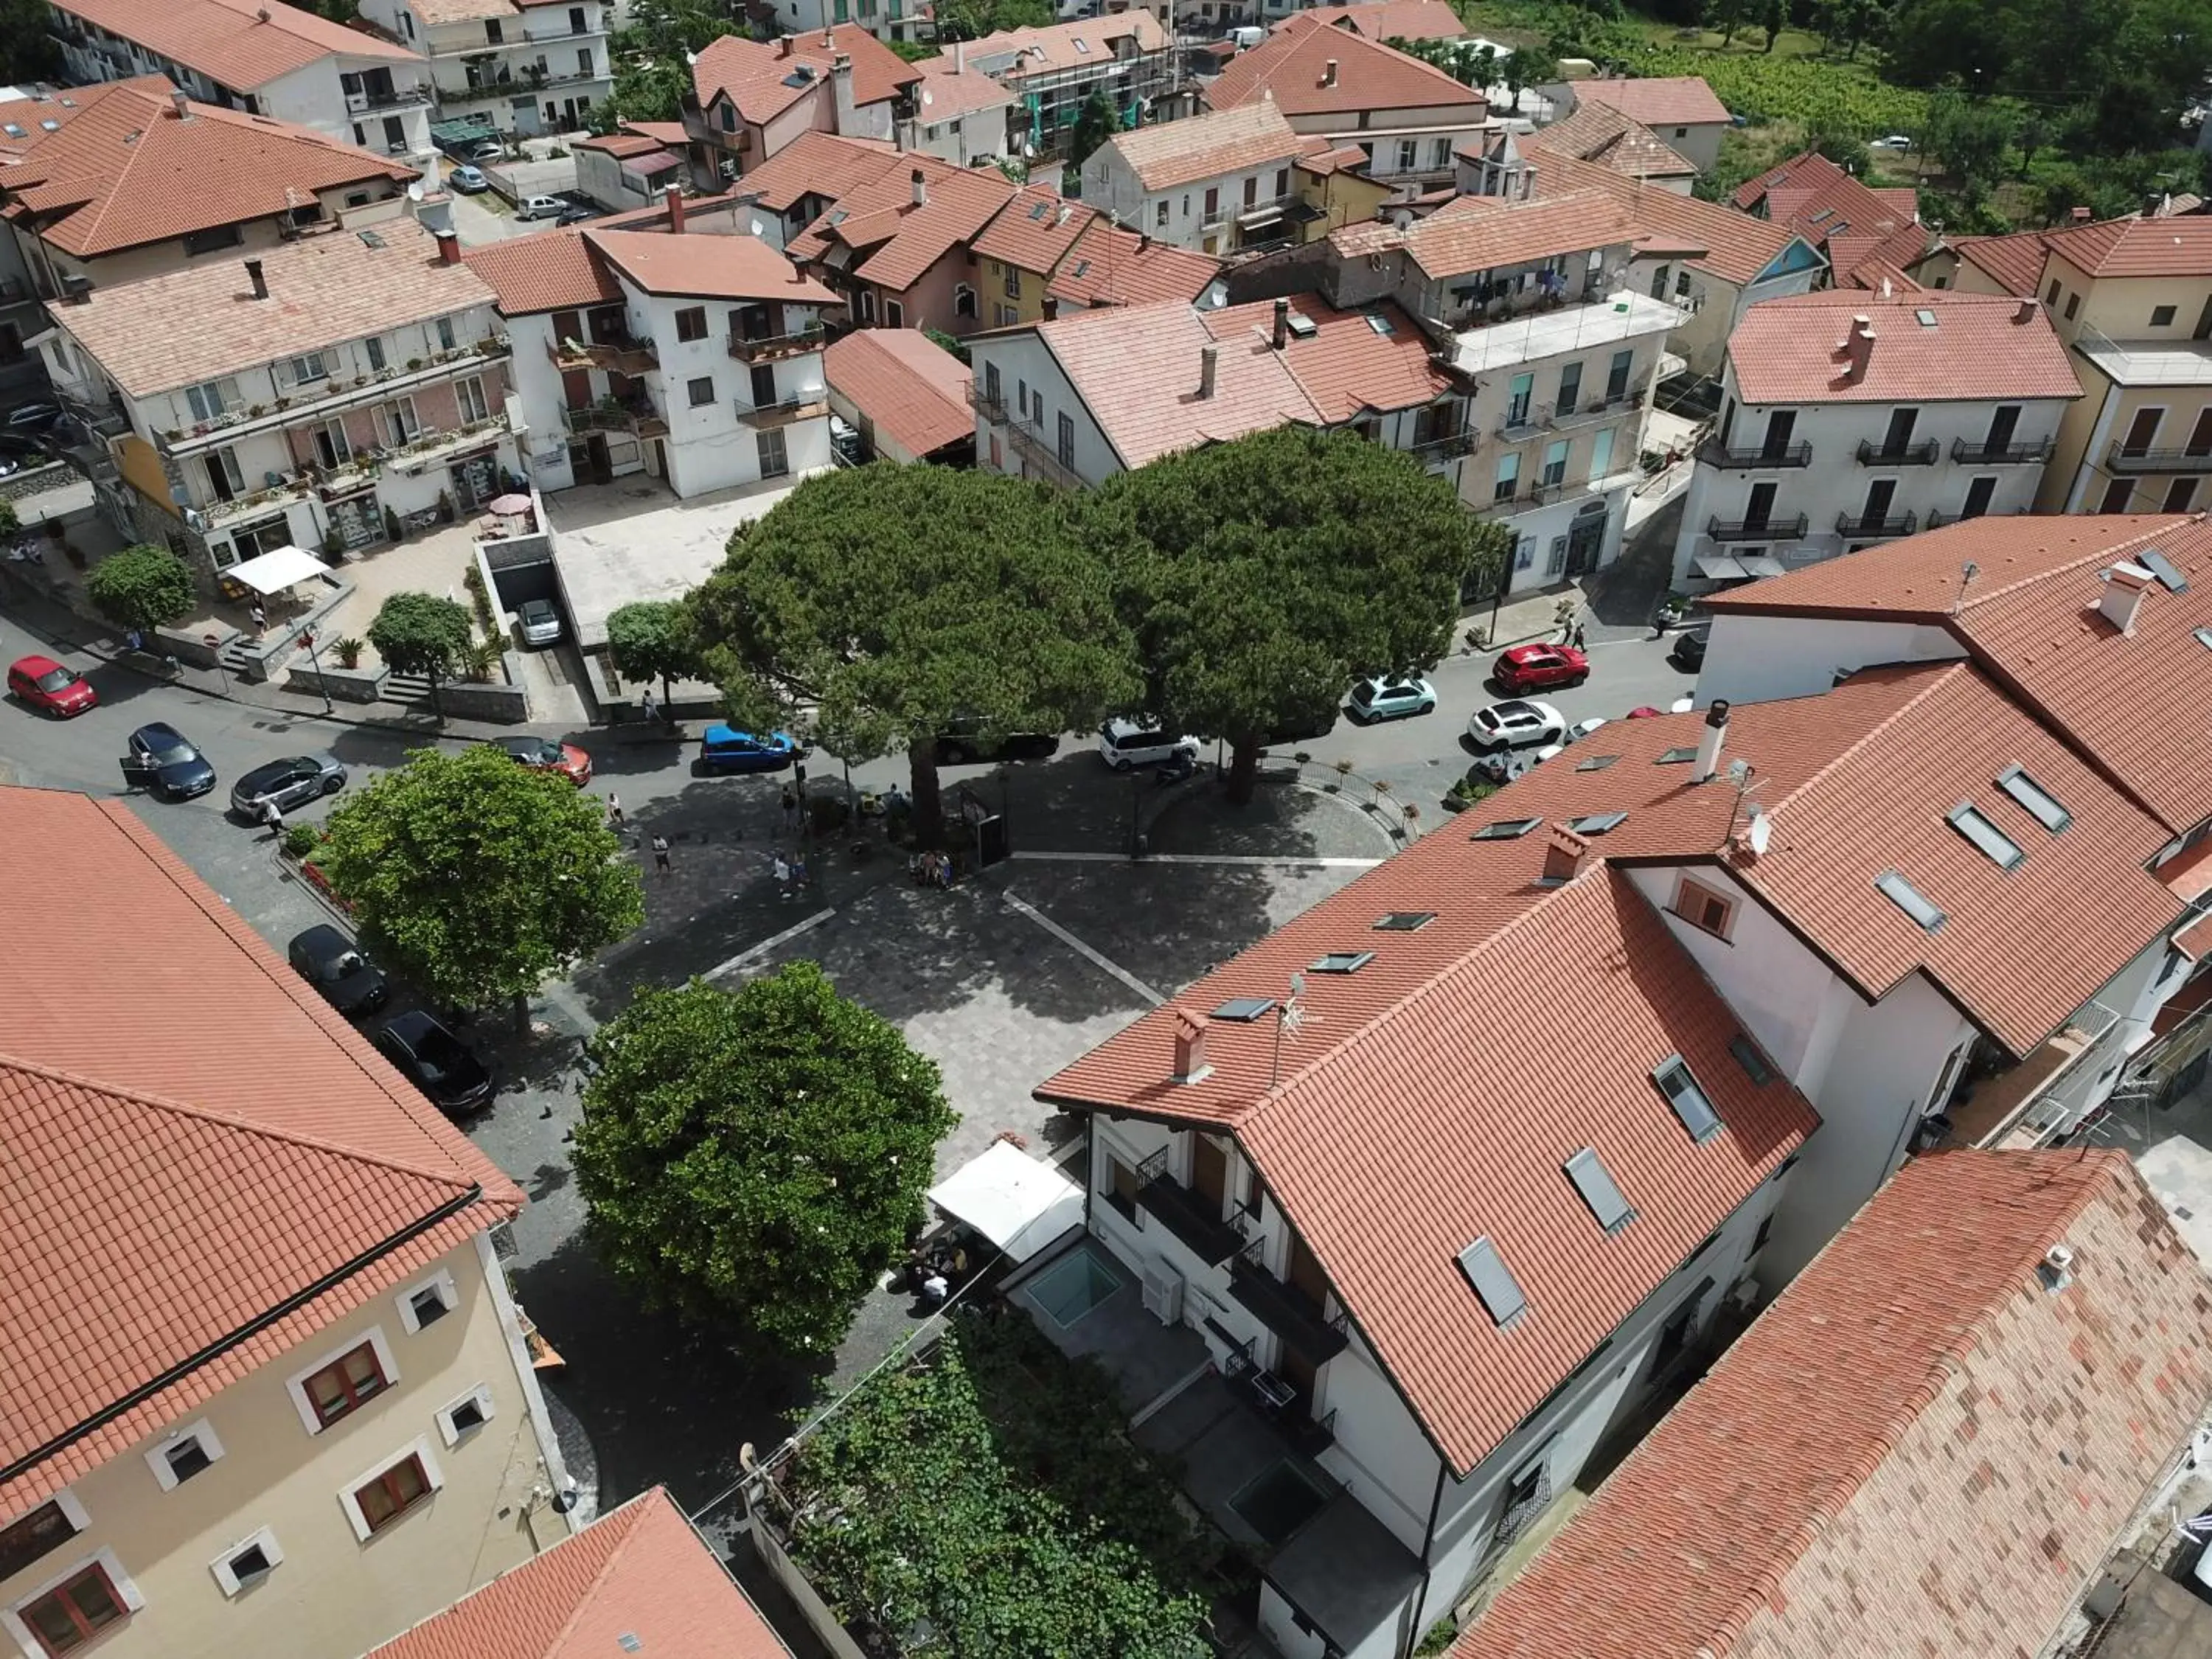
(759, 1152)
(1969, 136)
(1729, 16)
(897, 599)
(1833, 136)
(1095, 122)
(648, 88)
(1262, 576)
(651, 639)
(1528, 66)
(946, 342)
(1774, 21)
(28, 51)
(142, 587)
(478, 879)
(422, 634)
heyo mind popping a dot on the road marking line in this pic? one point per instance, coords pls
(745, 956)
(1245, 859)
(1082, 950)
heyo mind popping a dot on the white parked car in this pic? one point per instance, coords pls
(1895, 141)
(1125, 743)
(1582, 729)
(1391, 700)
(540, 207)
(1516, 723)
(538, 621)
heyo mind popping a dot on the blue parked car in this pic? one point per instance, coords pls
(726, 748)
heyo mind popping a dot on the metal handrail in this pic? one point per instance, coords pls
(1761, 530)
(1714, 452)
(1987, 454)
(1923, 453)
(1876, 525)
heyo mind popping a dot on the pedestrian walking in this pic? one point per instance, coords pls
(660, 854)
(1579, 642)
(614, 808)
(782, 876)
(273, 815)
(799, 876)
(650, 708)
(260, 619)
(790, 806)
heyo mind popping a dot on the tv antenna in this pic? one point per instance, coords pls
(1967, 574)
(1289, 1014)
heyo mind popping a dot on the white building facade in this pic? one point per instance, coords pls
(526, 69)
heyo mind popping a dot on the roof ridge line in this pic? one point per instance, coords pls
(1936, 682)
(2105, 556)
(226, 1119)
(607, 1564)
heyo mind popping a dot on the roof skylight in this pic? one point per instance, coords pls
(1244, 1009)
(1081, 265)
(1677, 756)
(1599, 1190)
(1405, 922)
(1597, 823)
(1596, 763)
(2204, 636)
(2159, 566)
(2000, 848)
(2034, 799)
(1925, 316)
(1505, 829)
(1381, 325)
(1493, 1281)
(1689, 1101)
(1342, 962)
(1910, 899)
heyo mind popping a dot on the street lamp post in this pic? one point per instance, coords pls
(307, 639)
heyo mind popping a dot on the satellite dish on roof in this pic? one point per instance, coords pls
(1758, 834)
(415, 191)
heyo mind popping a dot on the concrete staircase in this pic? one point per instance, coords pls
(410, 688)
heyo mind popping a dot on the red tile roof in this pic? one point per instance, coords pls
(947, 94)
(910, 388)
(2030, 618)
(1291, 67)
(706, 267)
(1206, 146)
(166, 1184)
(1035, 229)
(764, 79)
(550, 271)
(2016, 261)
(2136, 247)
(243, 44)
(638, 1579)
(1657, 100)
(1917, 1449)
(24, 121)
(1838, 213)
(1109, 266)
(126, 169)
(1732, 247)
(819, 164)
(891, 240)
(1596, 132)
(1471, 233)
(1385, 19)
(1349, 365)
(1013, 56)
(1978, 347)
(620, 144)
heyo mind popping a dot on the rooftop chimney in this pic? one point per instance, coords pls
(920, 189)
(1858, 348)
(829, 37)
(1282, 324)
(1190, 1065)
(959, 57)
(674, 197)
(253, 275)
(1710, 739)
(1563, 856)
(2026, 312)
(783, 46)
(182, 104)
(449, 250)
(1328, 73)
(2124, 587)
(841, 63)
(2080, 216)
(1144, 240)
(1051, 307)
(1209, 363)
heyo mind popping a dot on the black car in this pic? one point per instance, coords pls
(964, 741)
(334, 965)
(576, 213)
(435, 1061)
(163, 761)
(1689, 651)
(31, 418)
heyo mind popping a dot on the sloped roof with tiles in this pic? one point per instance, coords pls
(550, 271)
(1035, 229)
(2136, 247)
(1392, 1070)
(1846, 218)
(1350, 362)
(1596, 133)
(2016, 261)
(323, 290)
(1292, 67)
(1470, 233)
(947, 94)
(706, 267)
(1110, 266)
(1012, 56)
(1383, 20)
(819, 164)
(1733, 247)
(893, 239)
(765, 78)
(1657, 100)
(243, 44)
(620, 145)
(2030, 617)
(1176, 153)
(637, 1580)
(168, 1187)
(1921, 1447)
(909, 388)
(126, 169)
(1928, 348)
(25, 121)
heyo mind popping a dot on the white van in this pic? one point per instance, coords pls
(1125, 743)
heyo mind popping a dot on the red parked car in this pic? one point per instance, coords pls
(42, 683)
(544, 755)
(1539, 667)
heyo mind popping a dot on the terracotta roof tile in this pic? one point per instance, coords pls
(1736, 248)
(1469, 234)
(893, 239)
(1917, 1447)
(2136, 247)
(2016, 261)
(637, 1579)
(1290, 66)
(762, 78)
(910, 388)
(23, 121)
(244, 44)
(150, 1149)
(946, 95)
(126, 170)
(1657, 100)
(1978, 348)
(1109, 266)
(1226, 141)
(706, 267)
(1838, 213)
(1385, 19)
(1035, 229)
(551, 270)
(1324, 160)
(1354, 362)
(2030, 617)
(1595, 133)
(619, 144)
(819, 164)
(1012, 56)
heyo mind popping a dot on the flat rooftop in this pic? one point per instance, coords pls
(2149, 363)
(1541, 334)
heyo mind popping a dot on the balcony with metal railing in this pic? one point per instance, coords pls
(1759, 458)
(1445, 448)
(367, 100)
(2048, 1090)
(640, 419)
(805, 407)
(2033, 452)
(1290, 1313)
(1768, 529)
(1925, 454)
(621, 355)
(1041, 459)
(772, 347)
(2125, 458)
(1190, 1215)
(1875, 526)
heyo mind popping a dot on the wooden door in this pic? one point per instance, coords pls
(2140, 431)
(1302, 1273)
(1209, 1172)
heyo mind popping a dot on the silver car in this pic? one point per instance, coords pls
(293, 782)
(539, 622)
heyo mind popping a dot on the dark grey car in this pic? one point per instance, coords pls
(163, 761)
(334, 965)
(293, 782)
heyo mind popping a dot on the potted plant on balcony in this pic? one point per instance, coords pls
(414, 363)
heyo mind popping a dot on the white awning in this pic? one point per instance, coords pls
(1764, 564)
(1720, 568)
(278, 569)
(1018, 1204)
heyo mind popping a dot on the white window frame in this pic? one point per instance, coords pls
(157, 1456)
(297, 371)
(133, 1599)
(233, 1585)
(374, 347)
(452, 1433)
(440, 1281)
(469, 395)
(395, 434)
(418, 1446)
(295, 1384)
